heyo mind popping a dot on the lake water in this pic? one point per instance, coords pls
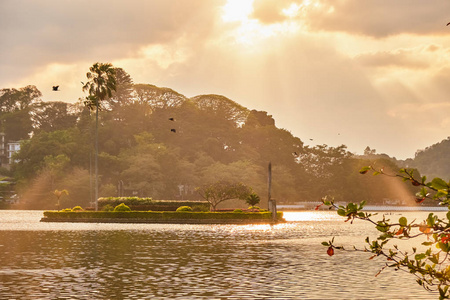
(156, 261)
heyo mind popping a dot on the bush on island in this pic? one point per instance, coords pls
(108, 207)
(254, 208)
(77, 208)
(145, 204)
(122, 207)
(184, 208)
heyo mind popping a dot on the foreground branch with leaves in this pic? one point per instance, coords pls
(429, 262)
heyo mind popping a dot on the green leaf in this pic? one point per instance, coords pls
(382, 227)
(431, 219)
(439, 184)
(352, 207)
(362, 204)
(420, 256)
(434, 260)
(325, 244)
(364, 170)
(422, 193)
(441, 194)
(341, 212)
(443, 246)
(403, 221)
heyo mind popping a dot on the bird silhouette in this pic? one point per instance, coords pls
(55, 88)
(311, 139)
(448, 23)
(171, 119)
(173, 130)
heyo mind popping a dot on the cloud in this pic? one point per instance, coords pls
(268, 11)
(381, 18)
(35, 33)
(340, 72)
(402, 58)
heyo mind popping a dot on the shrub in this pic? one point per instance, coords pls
(237, 210)
(184, 208)
(108, 207)
(77, 208)
(145, 204)
(66, 209)
(254, 208)
(122, 207)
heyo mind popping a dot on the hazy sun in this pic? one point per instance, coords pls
(237, 10)
(248, 30)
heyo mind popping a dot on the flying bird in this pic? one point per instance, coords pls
(171, 119)
(173, 130)
(448, 23)
(311, 139)
(55, 88)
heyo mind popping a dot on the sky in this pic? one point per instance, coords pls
(355, 72)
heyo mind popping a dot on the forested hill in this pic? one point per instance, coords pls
(155, 142)
(433, 161)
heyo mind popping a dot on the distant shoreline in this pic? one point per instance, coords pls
(370, 208)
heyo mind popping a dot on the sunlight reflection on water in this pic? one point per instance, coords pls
(163, 261)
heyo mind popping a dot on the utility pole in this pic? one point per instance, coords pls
(271, 202)
(270, 185)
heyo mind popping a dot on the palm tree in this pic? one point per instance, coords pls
(252, 200)
(101, 84)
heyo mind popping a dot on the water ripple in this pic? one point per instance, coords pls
(151, 261)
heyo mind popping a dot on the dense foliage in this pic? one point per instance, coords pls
(144, 204)
(155, 142)
(433, 161)
(429, 260)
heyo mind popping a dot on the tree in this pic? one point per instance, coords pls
(223, 107)
(252, 199)
(101, 84)
(15, 111)
(221, 191)
(51, 116)
(429, 262)
(17, 125)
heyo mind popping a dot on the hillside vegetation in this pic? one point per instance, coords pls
(155, 142)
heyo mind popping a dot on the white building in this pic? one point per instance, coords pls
(12, 147)
(3, 156)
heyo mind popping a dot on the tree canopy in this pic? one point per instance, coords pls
(156, 142)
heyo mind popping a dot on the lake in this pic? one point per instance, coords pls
(161, 261)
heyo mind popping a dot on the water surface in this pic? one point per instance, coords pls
(163, 261)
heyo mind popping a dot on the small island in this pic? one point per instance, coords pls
(146, 210)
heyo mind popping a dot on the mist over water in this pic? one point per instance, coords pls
(156, 261)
